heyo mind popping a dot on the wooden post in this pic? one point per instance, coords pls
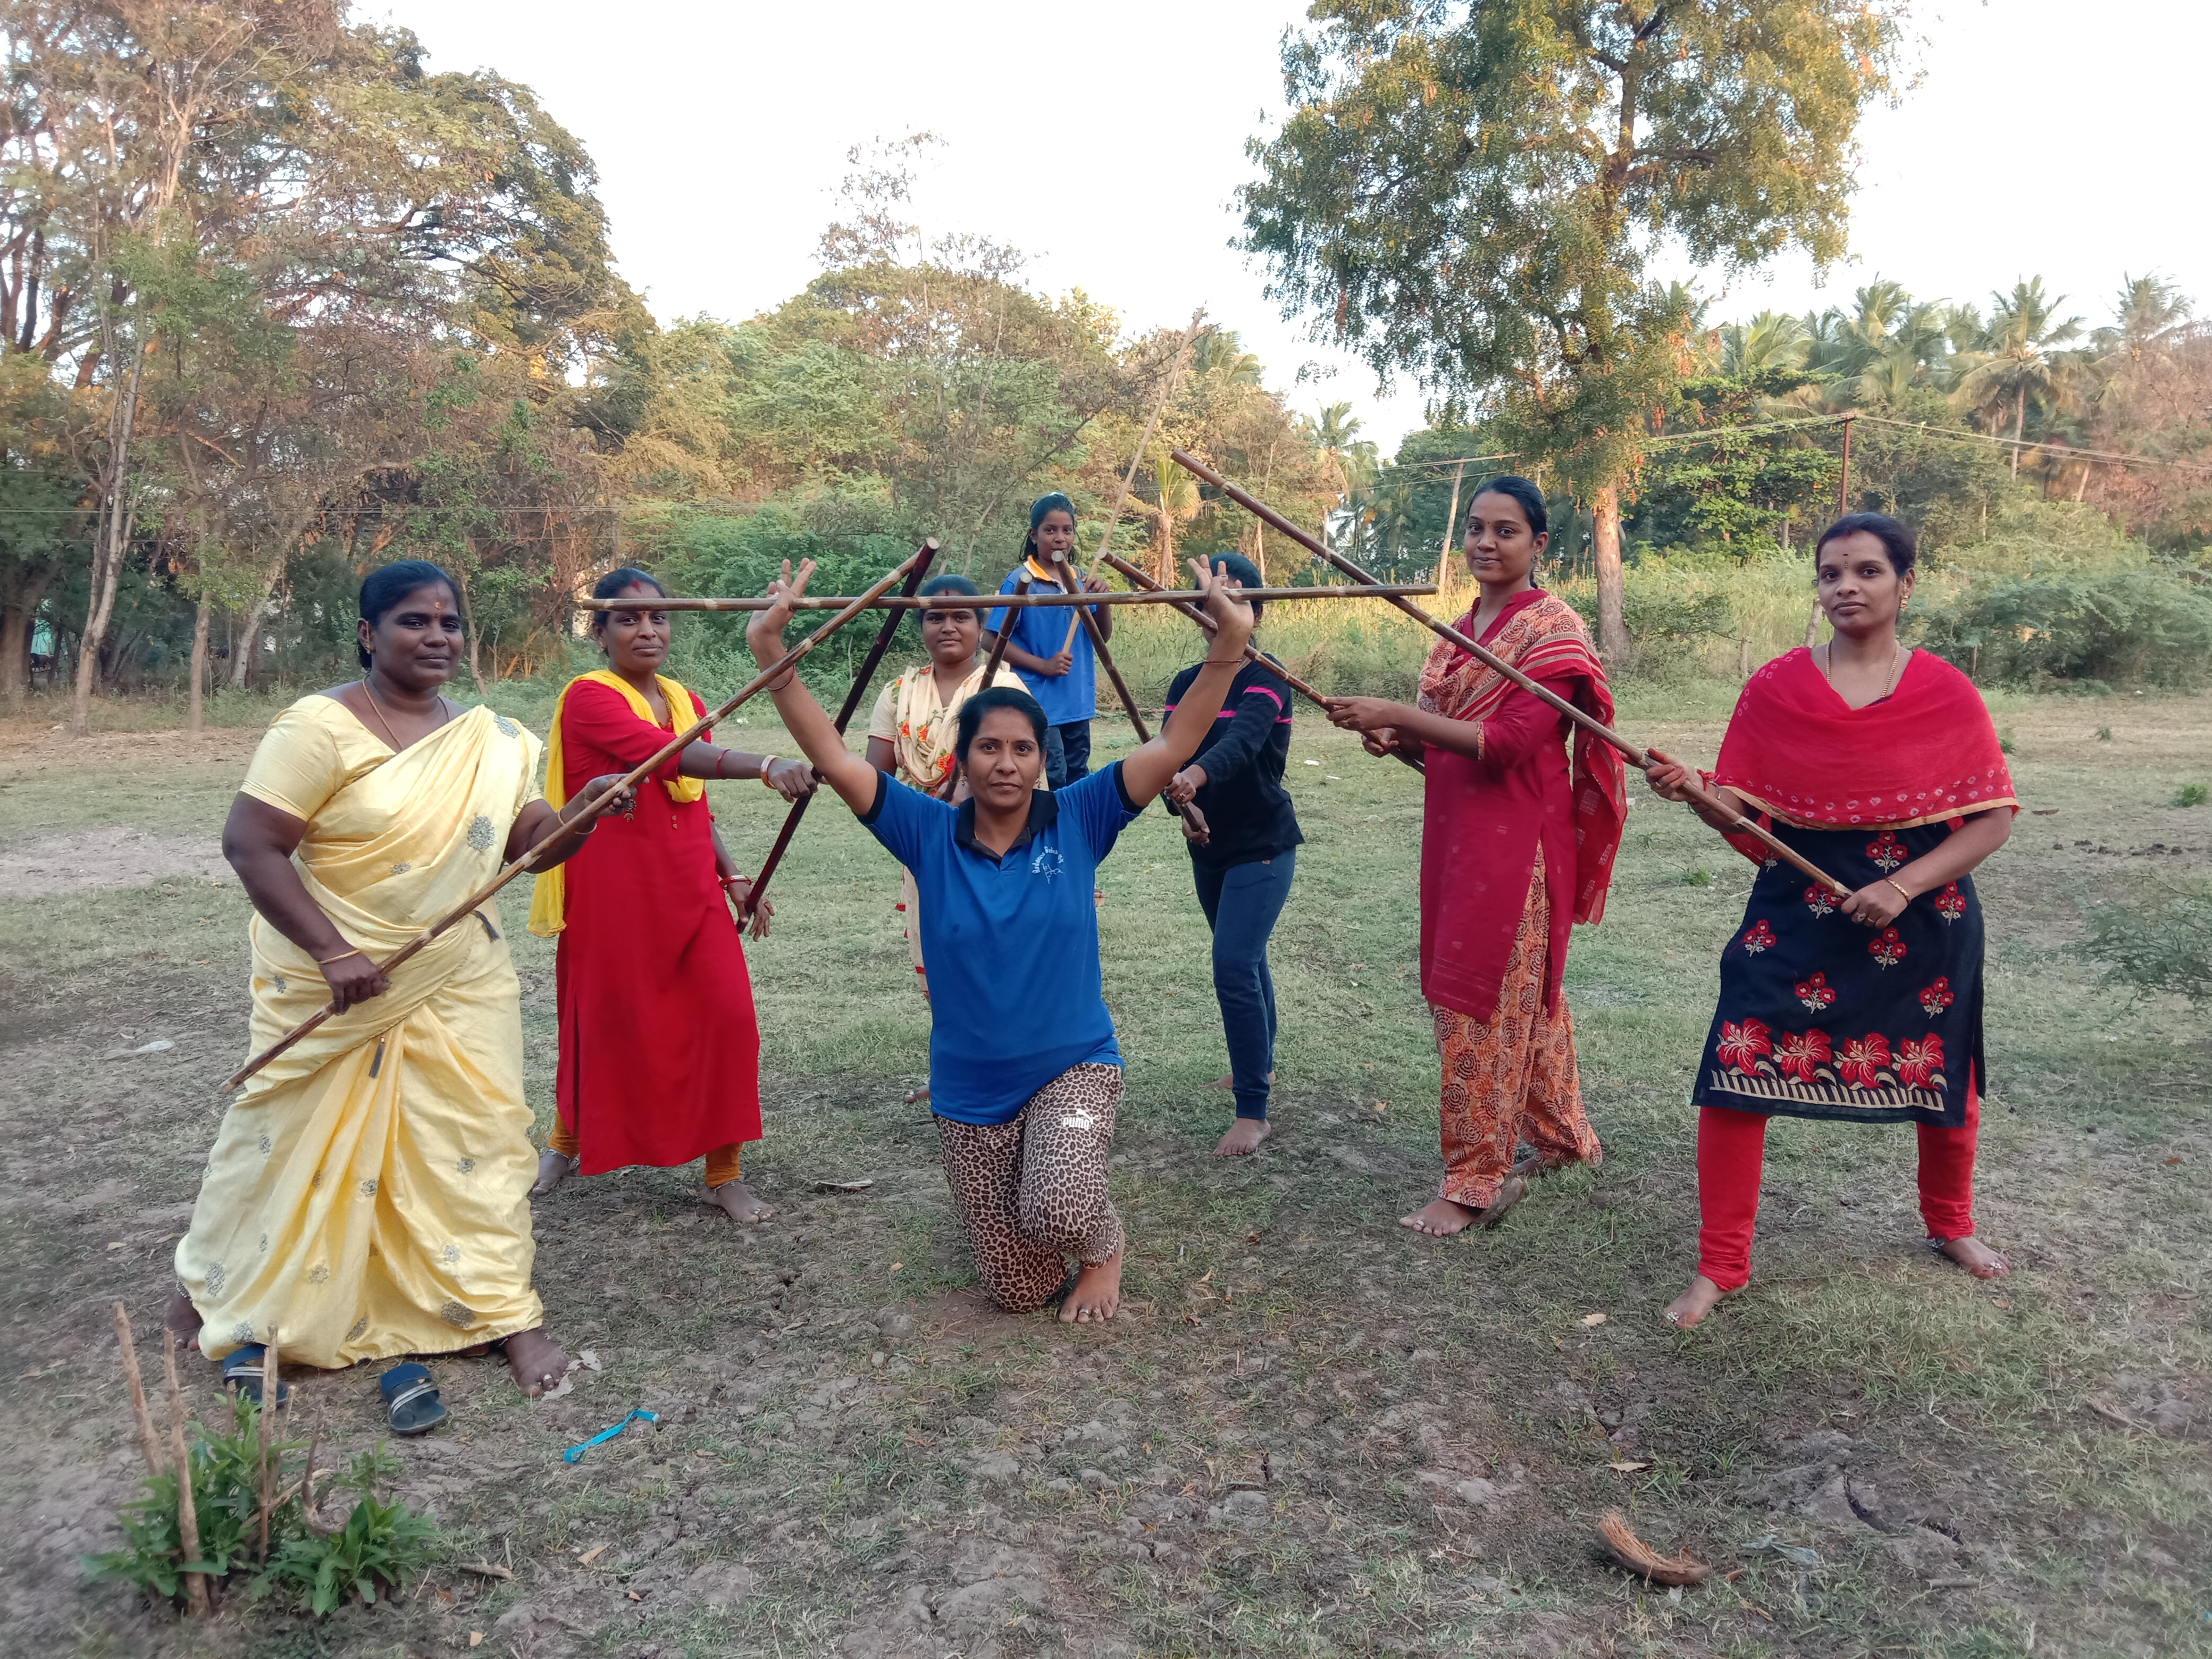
(853, 693)
(1843, 505)
(1452, 538)
(273, 1396)
(188, 1521)
(148, 1441)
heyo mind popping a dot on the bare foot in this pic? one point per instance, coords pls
(182, 1321)
(536, 1360)
(1243, 1138)
(1690, 1309)
(1976, 1257)
(917, 1096)
(1439, 1219)
(1097, 1297)
(553, 1168)
(739, 1201)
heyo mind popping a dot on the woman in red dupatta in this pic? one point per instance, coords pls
(1516, 846)
(659, 1051)
(1881, 766)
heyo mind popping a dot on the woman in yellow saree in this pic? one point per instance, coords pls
(366, 1195)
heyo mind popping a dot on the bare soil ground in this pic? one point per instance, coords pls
(1311, 1432)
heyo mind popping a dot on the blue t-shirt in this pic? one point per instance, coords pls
(1039, 629)
(1011, 943)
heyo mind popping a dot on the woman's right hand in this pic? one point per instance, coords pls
(1668, 778)
(1185, 784)
(353, 979)
(1195, 830)
(764, 633)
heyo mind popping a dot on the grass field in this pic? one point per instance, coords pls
(1312, 1433)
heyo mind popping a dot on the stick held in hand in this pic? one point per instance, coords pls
(675, 745)
(1637, 755)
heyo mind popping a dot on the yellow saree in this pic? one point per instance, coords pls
(369, 1191)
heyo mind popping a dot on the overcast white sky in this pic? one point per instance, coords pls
(1107, 142)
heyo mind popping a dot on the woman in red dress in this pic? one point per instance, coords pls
(660, 1055)
(1880, 764)
(1517, 842)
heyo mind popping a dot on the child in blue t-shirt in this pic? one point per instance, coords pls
(1047, 647)
(1024, 1075)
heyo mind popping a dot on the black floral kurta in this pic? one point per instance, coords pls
(1822, 1017)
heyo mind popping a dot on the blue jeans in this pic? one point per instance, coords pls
(1241, 904)
(1067, 753)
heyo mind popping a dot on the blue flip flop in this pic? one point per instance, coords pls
(243, 1371)
(410, 1399)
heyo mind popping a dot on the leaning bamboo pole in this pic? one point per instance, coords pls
(1021, 599)
(1252, 652)
(918, 568)
(675, 746)
(1636, 754)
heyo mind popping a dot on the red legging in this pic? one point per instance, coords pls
(1731, 1157)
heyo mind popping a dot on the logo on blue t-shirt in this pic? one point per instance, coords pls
(1047, 863)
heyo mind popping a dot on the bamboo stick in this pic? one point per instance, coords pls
(1637, 755)
(1006, 634)
(188, 1520)
(148, 1441)
(1021, 599)
(272, 1390)
(1252, 652)
(1121, 688)
(1129, 479)
(919, 569)
(675, 745)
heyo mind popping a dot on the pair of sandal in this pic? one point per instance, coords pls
(411, 1405)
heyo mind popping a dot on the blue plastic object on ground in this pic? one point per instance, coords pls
(606, 1435)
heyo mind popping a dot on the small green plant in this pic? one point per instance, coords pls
(2004, 740)
(2192, 795)
(379, 1542)
(1699, 876)
(2104, 734)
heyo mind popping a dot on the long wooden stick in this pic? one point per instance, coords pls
(148, 1441)
(1252, 652)
(272, 1391)
(1021, 598)
(1637, 755)
(918, 568)
(1121, 688)
(188, 1520)
(1129, 479)
(1006, 634)
(675, 745)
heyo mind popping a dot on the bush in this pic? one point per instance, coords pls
(2147, 626)
(2158, 940)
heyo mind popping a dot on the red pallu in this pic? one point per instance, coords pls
(659, 1059)
(1485, 817)
(1797, 751)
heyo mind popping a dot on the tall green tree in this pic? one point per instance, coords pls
(2015, 362)
(1468, 193)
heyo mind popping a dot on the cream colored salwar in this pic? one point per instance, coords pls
(369, 1192)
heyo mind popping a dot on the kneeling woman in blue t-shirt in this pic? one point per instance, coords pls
(1023, 1074)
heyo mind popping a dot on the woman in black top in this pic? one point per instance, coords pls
(1244, 841)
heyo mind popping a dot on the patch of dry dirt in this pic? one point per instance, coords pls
(86, 860)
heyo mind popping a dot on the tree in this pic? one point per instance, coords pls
(2015, 362)
(1469, 196)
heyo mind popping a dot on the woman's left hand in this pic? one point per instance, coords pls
(793, 779)
(1874, 905)
(739, 890)
(1185, 784)
(1364, 713)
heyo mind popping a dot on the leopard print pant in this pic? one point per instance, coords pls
(1031, 1192)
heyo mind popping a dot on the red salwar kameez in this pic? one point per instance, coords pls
(1516, 846)
(1818, 1016)
(659, 1050)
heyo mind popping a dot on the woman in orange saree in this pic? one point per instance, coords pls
(1517, 844)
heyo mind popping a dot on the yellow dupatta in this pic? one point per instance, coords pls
(365, 1193)
(927, 728)
(549, 897)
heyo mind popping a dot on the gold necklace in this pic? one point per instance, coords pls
(1896, 668)
(377, 708)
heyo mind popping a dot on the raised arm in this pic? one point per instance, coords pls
(1146, 772)
(810, 725)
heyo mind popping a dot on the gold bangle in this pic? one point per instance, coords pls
(766, 761)
(341, 956)
(1900, 887)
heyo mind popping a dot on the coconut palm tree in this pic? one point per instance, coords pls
(2014, 361)
(1178, 504)
(1771, 340)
